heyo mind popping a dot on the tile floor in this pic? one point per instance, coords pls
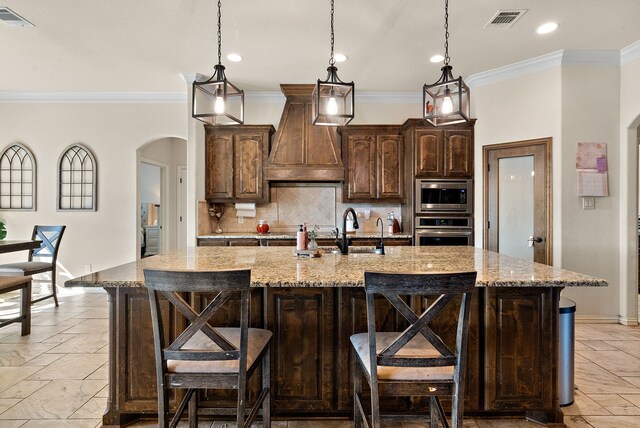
(57, 376)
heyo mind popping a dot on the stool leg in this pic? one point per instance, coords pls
(25, 309)
(53, 285)
(266, 384)
(357, 390)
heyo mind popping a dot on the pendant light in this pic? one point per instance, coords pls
(217, 101)
(447, 101)
(332, 101)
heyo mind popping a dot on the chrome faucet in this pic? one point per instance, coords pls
(381, 246)
(343, 244)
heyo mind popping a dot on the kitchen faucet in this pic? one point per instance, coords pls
(343, 244)
(381, 246)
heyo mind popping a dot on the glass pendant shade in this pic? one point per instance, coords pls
(447, 101)
(332, 101)
(217, 101)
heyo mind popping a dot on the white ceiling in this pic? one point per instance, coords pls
(143, 45)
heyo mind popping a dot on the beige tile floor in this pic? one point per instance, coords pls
(57, 376)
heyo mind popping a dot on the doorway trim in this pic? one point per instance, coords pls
(546, 146)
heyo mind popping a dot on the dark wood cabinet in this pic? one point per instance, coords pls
(234, 161)
(373, 156)
(440, 152)
(301, 320)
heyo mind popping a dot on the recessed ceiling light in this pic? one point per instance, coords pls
(234, 57)
(340, 57)
(547, 28)
(436, 58)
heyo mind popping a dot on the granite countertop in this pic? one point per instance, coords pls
(284, 235)
(279, 267)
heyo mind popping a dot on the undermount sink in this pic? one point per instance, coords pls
(354, 250)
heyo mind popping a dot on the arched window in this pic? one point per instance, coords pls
(17, 178)
(77, 179)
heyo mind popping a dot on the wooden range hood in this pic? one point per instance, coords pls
(300, 150)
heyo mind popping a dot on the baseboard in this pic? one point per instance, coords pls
(628, 321)
(597, 319)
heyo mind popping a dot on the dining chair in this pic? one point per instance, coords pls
(41, 259)
(22, 283)
(203, 356)
(416, 361)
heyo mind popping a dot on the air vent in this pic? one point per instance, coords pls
(9, 17)
(505, 18)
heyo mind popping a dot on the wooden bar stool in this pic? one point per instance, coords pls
(42, 259)
(202, 355)
(22, 283)
(416, 361)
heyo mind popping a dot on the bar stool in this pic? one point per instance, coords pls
(22, 283)
(414, 362)
(204, 356)
(46, 255)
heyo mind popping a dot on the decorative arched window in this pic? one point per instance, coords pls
(77, 179)
(17, 178)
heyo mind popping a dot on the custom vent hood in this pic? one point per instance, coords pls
(301, 151)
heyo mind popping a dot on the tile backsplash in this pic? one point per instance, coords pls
(291, 205)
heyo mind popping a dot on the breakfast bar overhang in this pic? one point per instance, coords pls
(313, 305)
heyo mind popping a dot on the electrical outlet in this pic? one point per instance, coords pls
(589, 203)
(87, 268)
(240, 220)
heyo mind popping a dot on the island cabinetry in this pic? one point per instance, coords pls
(518, 341)
(440, 152)
(234, 160)
(373, 156)
(302, 362)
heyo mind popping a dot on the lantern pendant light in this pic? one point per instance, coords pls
(332, 101)
(447, 101)
(217, 101)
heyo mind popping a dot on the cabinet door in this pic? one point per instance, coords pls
(518, 344)
(458, 154)
(219, 164)
(301, 320)
(429, 153)
(248, 157)
(390, 160)
(361, 167)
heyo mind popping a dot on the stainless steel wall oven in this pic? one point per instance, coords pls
(443, 230)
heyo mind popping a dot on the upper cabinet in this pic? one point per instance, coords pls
(373, 159)
(302, 151)
(440, 152)
(234, 161)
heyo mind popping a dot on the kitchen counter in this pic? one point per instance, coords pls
(279, 267)
(313, 305)
(276, 236)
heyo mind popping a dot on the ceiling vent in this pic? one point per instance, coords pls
(505, 18)
(9, 17)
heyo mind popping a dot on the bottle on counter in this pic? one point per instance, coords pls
(390, 220)
(306, 236)
(262, 227)
(300, 240)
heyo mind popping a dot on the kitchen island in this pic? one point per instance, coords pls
(313, 305)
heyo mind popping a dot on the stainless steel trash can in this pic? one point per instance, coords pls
(566, 337)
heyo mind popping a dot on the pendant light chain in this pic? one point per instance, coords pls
(219, 35)
(332, 61)
(446, 32)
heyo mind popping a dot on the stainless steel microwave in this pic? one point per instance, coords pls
(444, 195)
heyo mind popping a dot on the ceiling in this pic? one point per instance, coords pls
(144, 45)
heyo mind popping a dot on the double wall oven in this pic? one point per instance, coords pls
(443, 212)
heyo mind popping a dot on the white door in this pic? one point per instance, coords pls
(181, 215)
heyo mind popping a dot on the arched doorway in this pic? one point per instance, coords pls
(161, 185)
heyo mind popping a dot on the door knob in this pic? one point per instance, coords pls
(534, 240)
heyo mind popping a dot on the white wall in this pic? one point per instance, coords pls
(591, 237)
(106, 237)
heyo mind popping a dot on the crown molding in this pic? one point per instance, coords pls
(630, 53)
(93, 97)
(529, 66)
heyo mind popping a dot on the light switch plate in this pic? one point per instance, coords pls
(589, 203)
